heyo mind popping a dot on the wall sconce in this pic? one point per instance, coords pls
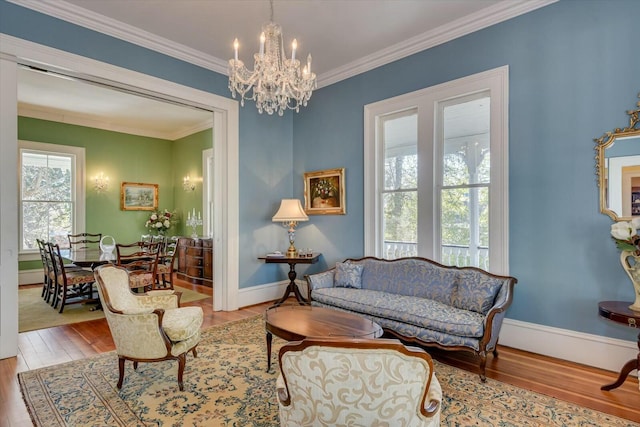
(101, 183)
(187, 185)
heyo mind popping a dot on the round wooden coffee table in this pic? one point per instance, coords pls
(297, 322)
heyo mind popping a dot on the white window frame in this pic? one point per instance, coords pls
(78, 183)
(427, 100)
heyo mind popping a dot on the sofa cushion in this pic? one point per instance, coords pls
(348, 275)
(421, 312)
(410, 277)
(475, 291)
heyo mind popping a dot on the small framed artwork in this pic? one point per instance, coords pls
(135, 196)
(324, 192)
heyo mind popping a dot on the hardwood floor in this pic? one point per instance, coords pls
(564, 380)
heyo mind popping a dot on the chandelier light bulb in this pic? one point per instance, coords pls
(276, 83)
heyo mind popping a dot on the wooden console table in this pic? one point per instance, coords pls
(195, 260)
(619, 311)
(292, 261)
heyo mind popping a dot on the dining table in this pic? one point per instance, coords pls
(93, 257)
(88, 257)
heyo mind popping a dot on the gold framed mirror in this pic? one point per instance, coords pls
(618, 170)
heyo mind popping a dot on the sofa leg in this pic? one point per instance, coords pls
(483, 365)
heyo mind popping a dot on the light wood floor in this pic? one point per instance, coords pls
(564, 380)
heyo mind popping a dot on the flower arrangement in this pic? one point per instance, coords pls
(625, 233)
(160, 221)
(324, 189)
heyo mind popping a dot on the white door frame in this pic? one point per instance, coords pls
(226, 229)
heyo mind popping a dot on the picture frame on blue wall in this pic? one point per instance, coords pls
(324, 192)
(137, 196)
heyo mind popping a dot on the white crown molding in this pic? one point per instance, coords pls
(102, 24)
(79, 120)
(500, 12)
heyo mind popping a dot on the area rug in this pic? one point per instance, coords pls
(227, 385)
(35, 313)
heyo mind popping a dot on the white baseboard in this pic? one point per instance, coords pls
(267, 292)
(592, 350)
(30, 277)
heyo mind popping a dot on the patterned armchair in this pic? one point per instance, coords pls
(357, 382)
(147, 327)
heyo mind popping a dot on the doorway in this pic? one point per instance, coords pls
(225, 111)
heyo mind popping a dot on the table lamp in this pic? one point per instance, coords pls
(289, 214)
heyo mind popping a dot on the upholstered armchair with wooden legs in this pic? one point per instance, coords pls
(357, 382)
(147, 328)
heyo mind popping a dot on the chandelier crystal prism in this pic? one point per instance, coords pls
(276, 83)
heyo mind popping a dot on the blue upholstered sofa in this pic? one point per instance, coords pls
(420, 301)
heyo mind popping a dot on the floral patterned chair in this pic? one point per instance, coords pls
(357, 382)
(147, 327)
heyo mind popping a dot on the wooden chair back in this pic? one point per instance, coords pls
(141, 260)
(84, 240)
(72, 286)
(48, 284)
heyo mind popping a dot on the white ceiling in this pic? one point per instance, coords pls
(345, 37)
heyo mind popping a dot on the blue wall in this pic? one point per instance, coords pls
(574, 72)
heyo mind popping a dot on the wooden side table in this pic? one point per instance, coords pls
(619, 311)
(292, 261)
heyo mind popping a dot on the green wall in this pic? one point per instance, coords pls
(187, 160)
(126, 158)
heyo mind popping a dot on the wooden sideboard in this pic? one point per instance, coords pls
(195, 260)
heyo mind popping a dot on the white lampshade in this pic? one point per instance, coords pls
(290, 210)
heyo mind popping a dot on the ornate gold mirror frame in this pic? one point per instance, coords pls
(618, 169)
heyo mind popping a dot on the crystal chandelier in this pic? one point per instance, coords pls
(276, 83)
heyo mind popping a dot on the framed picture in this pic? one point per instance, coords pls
(324, 192)
(135, 196)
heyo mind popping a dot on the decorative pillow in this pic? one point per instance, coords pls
(476, 291)
(348, 275)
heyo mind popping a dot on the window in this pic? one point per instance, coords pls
(51, 193)
(436, 173)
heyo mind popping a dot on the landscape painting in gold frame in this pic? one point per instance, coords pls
(136, 196)
(324, 192)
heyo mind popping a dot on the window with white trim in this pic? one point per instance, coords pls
(51, 193)
(436, 169)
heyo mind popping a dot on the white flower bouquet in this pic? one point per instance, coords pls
(160, 221)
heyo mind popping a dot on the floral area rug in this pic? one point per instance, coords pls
(227, 385)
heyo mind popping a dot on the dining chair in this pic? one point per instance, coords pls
(72, 286)
(166, 262)
(141, 260)
(84, 240)
(49, 280)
